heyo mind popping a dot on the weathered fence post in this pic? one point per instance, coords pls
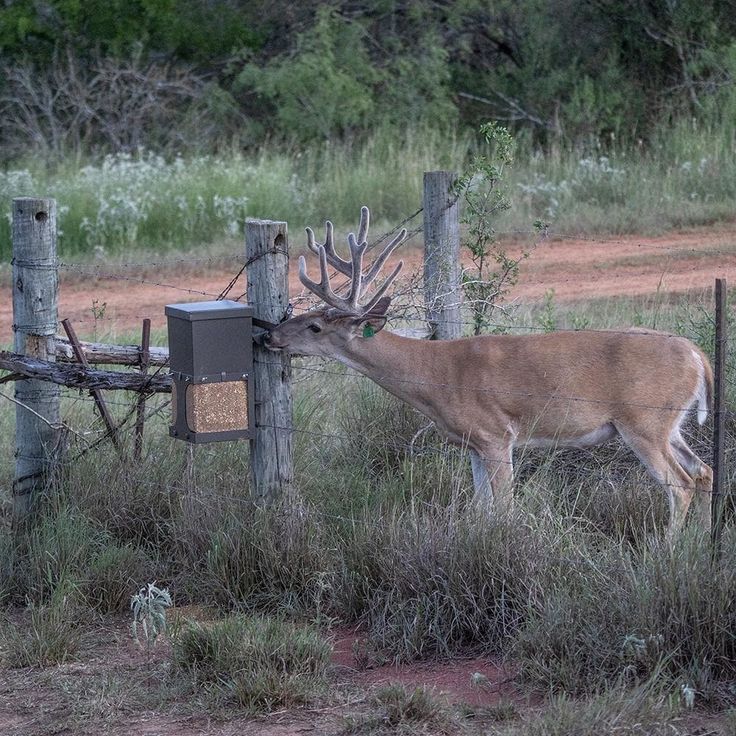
(35, 315)
(719, 415)
(267, 253)
(442, 290)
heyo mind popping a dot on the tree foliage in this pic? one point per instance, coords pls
(562, 70)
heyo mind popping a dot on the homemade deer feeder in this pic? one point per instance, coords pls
(211, 363)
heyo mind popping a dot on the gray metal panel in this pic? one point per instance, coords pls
(222, 346)
(207, 341)
(222, 309)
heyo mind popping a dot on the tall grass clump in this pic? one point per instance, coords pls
(56, 554)
(442, 580)
(279, 559)
(628, 615)
(260, 663)
(50, 636)
(65, 554)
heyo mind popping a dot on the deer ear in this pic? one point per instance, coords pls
(380, 307)
(375, 320)
(370, 324)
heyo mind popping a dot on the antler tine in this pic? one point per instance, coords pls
(365, 220)
(356, 255)
(387, 251)
(322, 289)
(353, 268)
(340, 264)
(389, 280)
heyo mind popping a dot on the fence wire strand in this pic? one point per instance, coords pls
(549, 237)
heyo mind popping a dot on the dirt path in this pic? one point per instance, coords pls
(113, 688)
(577, 269)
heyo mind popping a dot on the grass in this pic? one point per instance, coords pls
(144, 202)
(637, 712)
(398, 709)
(575, 588)
(51, 637)
(261, 663)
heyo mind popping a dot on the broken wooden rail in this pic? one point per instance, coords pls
(101, 353)
(75, 375)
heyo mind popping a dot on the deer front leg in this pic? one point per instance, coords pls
(493, 477)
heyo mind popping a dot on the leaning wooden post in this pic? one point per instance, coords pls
(35, 315)
(442, 290)
(719, 415)
(272, 464)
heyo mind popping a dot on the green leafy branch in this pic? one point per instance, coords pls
(482, 187)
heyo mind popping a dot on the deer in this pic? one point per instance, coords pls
(494, 393)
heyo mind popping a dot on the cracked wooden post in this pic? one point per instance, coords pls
(272, 462)
(35, 316)
(442, 290)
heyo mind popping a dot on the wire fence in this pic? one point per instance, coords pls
(92, 436)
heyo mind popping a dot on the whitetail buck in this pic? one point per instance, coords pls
(493, 393)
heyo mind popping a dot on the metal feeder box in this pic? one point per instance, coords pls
(211, 363)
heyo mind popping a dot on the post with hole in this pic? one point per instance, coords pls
(272, 462)
(442, 290)
(35, 316)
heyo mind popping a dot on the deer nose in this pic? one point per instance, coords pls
(262, 337)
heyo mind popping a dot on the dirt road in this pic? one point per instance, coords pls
(577, 269)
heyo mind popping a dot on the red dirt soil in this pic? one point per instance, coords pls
(112, 688)
(576, 269)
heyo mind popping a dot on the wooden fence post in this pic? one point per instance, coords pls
(35, 315)
(719, 415)
(442, 289)
(272, 462)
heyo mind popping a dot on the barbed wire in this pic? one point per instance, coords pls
(547, 234)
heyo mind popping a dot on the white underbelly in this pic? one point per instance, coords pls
(596, 437)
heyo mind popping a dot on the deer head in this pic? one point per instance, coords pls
(327, 330)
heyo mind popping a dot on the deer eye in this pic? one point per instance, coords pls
(315, 328)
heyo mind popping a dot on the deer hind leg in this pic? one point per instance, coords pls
(700, 473)
(659, 459)
(493, 478)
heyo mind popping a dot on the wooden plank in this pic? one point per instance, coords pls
(442, 289)
(35, 315)
(272, 464)
(719, 415)
(98, 353)
(74, 375)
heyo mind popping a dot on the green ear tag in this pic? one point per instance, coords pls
(368, 330)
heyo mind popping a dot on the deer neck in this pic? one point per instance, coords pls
(399, 364)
